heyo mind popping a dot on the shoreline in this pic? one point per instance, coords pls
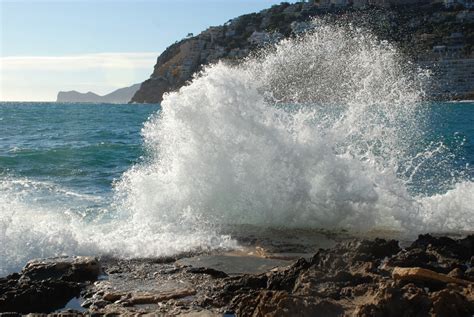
(433, 275)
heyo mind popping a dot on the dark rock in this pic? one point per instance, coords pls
(87, 303)
(376, 249)
(37, 296)
(99, 304)
(451, 304)
(281, 303)
(467, 245)
(76, 269)
(46, 285)
(456, 273)
(391, 301)
(416, 258)
(460, 249)
(285, 279)
(348, 253)
(440, 254)
(354, 278)
(246, 282)
(469, 274)
(208, 271)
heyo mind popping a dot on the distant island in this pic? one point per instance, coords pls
(437, 35)
(122, 95)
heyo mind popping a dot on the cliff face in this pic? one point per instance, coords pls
(231, 41)
(122, 95)
(418, 27)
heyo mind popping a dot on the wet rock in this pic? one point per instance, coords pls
(232, 265)
(439, 254)
(203, 313)
(285, 279)
(375, 249)
(209, 271)
(76, 269)
(87, 303)
(100, 303)
(47, 284)
(36, 296)
(175, 294)
(365, 254)
(461, 249)
(167, 271)
(246, 282)
(354, 278)
(145, 298)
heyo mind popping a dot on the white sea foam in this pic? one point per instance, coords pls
(320, 131)
(227, 147)
(31, 228)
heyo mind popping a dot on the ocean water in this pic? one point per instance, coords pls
(69, 151)
(329, 130)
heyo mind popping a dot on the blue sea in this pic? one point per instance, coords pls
(78, 148)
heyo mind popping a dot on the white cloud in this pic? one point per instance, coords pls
(80, 62)
(39, 78)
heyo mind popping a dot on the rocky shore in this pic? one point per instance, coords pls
(432, 276)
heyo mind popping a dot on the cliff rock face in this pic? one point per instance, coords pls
(122, 95)
(232, 41)
(425, 30)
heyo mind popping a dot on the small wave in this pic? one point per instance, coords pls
(461, 101)
(451, 211)
(14, 149)
(24, 186)
(40, 219)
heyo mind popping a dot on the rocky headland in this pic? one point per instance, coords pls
(122, 95)
(433, 34)
(431, 276)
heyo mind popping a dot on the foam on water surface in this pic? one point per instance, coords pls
(322, 131)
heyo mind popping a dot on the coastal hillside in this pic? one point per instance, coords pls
(437, 35)
(122, 95)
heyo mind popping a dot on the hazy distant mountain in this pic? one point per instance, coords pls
(122, 95)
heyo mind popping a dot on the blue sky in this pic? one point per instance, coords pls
(97, 45)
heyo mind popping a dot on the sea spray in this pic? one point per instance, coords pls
(311, 133)
(320, 131)
(32, 229)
